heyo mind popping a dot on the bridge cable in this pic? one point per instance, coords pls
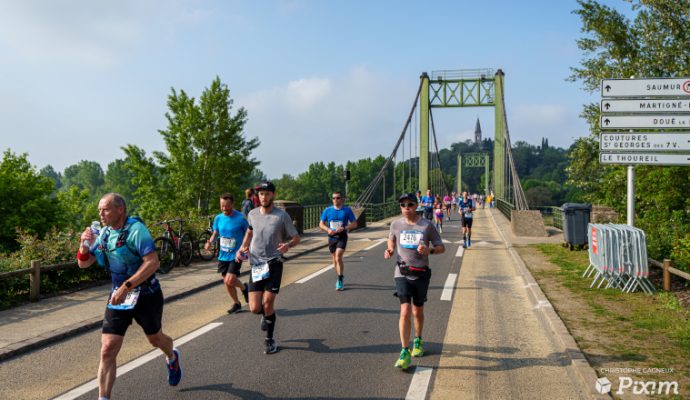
(368, 193)
(438, 159)
(520, 201)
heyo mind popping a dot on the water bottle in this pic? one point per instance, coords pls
(95, 229)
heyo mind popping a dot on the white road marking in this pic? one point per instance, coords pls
(461, 251)
(315, 274)
(420, 383)
(123, 369)
(375, 244)
(447, 293)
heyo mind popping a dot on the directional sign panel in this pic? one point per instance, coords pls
(626, 141)
(645, 121)
(645, 87)
(644, 105)
(644, 158)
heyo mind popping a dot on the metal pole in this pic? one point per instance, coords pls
(424, 182)
(631, 195)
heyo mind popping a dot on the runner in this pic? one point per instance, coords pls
(438, 214)
(428, 204)
(466, 207)
(337, 221)
(270, 235)
(411, 236)
(230, 226)
(447, 202)
(126, 249)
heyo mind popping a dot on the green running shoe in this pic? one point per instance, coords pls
(404, 360)
(417, 349)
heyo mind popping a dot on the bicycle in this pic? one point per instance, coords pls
(173, 247)
(206, 255)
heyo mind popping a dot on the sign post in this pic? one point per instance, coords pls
(644, 106)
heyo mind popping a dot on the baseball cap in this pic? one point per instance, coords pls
(408, 196)
(266, 185)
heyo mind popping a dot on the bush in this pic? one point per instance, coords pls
(681, 253)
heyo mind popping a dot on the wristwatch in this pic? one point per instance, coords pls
(128, 284)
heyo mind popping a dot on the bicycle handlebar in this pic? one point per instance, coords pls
(168, 221)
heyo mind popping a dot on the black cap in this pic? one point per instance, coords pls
(266, 185)
(408, 196)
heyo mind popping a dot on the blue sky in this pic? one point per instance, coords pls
(321, 80)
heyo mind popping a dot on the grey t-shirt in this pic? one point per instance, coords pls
(407, 238)
(269, 230)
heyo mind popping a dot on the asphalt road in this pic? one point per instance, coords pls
(338, 345)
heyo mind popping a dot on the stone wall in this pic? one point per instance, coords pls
(603, 215)
(527, 223)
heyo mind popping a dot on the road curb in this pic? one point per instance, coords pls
(545, 310)
(57, 335)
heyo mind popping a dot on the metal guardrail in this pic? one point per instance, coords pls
(375, 212)
(504, 207)
(552, 215)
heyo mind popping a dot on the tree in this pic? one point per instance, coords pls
(119, 179)
(84, 175)
(653, 44)
(26, 200)
(49, 172)
(207, 151)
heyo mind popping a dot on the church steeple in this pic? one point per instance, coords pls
(477, 133)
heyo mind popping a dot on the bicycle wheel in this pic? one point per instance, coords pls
(166, 254)
(206, 255)
(186, 249)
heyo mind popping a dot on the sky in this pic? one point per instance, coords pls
(320, 80)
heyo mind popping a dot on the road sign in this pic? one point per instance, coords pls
(636, 141)
(645, 87)
(644, 105)
(644, 158)
(645, 121)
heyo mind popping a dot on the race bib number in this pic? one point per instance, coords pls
(410, 239)
(335, 224)
(260, 272)
(468, 214)
(130, 300)
(227, 244)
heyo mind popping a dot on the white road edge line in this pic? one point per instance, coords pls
(375, 244)
(447, 293)
(420, 383)
(461, 251)
(121, 370)
(315, 274)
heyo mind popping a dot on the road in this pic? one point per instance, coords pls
(337, 345)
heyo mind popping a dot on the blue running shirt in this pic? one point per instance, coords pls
(334, 218)
(230, 231)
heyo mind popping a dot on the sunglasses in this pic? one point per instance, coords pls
(337, 198)
(408, 205)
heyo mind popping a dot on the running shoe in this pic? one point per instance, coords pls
(271, 346)
(339, 284)
(464, 244)
(245, 293)
(174, 370)
(417, 349)
(440, 230)
(469, 243)
(264, 324)
(235, 308)
(404, 360)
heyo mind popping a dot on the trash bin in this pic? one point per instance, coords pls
(575, 221)
(295, 211)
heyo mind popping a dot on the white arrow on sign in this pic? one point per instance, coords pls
(644, 141)
(653, 87)
(645, 121)
(644, 158)
(644, 105)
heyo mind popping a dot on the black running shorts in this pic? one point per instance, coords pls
(270, 284)
(412, 290)
(148, 312)
(467, 222)
(232, 267)
(337, 243)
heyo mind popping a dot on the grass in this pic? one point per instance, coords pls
(616, 329)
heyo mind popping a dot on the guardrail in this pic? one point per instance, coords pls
(35, 275)
(552, 215)
(668, 270)
(504, 207)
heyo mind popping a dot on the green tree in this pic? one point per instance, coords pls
(207, 151)
(26, 200)
(119, 179)
(84, 175)
(653, 44)
(49, 172)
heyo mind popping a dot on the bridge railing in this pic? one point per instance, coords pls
(551, 214)
(504, 207)
(375, 212)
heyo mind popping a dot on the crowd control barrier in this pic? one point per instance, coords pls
(618, 257)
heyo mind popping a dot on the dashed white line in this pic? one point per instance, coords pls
(461, 251)
(447, 293)
(121, 370)
(375, 244)
(420, 383)
(315, 274)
